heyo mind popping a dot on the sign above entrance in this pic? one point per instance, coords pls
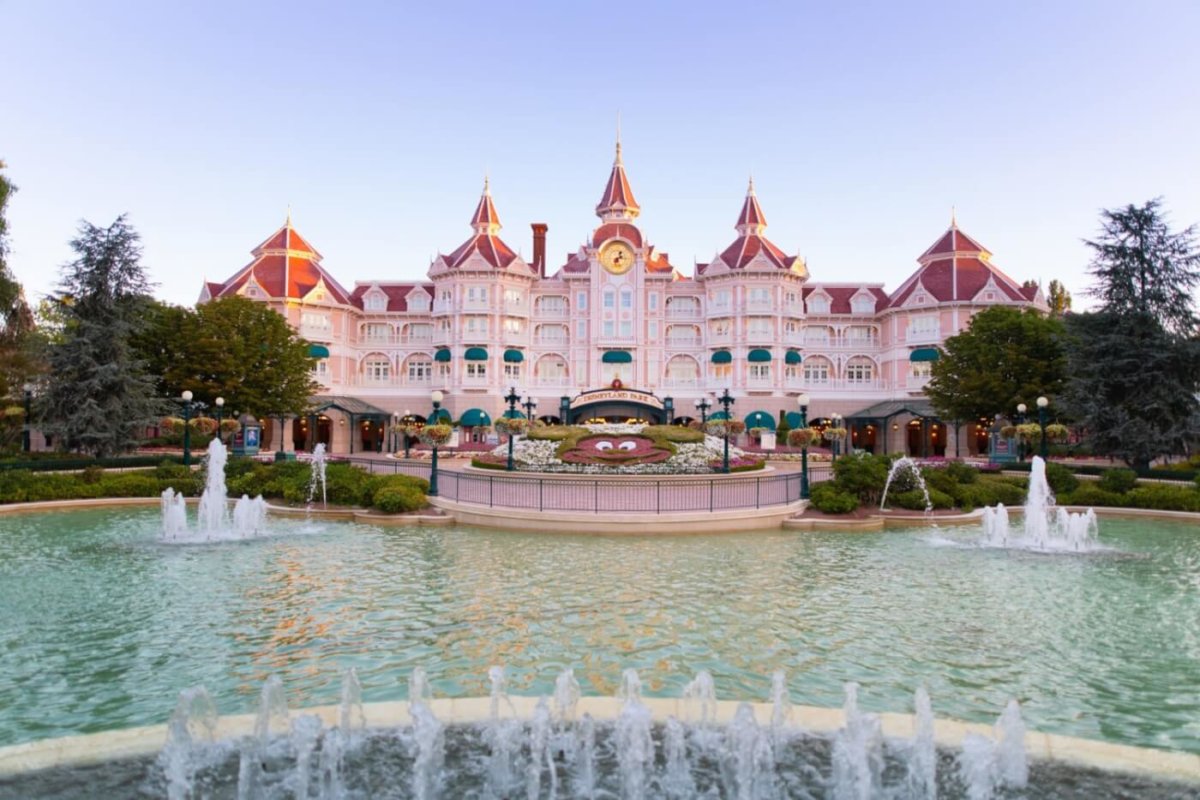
(616, 396)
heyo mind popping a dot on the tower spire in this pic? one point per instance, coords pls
(618, 158)
(485, 220)
(618, 202)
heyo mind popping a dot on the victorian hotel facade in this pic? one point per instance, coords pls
(618, 322)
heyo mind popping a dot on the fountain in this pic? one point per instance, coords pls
(318, 475)
(214, 521)
(1045, 528)
(898, 466)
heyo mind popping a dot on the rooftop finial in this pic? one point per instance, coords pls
(486, 183)
(953, 218)
(618, 161)
(289, 215)
(750, 188)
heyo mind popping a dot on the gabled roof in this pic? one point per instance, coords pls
(285, 265)
(618, 201)
(485, 223)
(955, 269)
(840, 295)
(397, 293)
(751, 243)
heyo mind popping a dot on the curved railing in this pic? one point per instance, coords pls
(608, 495)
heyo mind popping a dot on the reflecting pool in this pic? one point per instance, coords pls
(104, 625)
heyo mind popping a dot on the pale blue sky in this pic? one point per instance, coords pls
(863, 123)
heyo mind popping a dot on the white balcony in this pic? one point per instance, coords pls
(555, 381)
(922, 336)
(760, 336)
(683, 341)
(315, 334)
(417, 340)
(916, 383)
(681, 383)
(552, 342)
(683, 311)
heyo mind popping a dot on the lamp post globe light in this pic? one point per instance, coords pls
(1021, 409)
(726, 401)
(802, 401)
(702, 405)
(512, 398)
(186, 397)
(220, 404)
(836, 443)
(1042, 402)
(404, 433)
(436, 396)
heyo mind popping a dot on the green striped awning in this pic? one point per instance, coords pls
(318, 351)
(924, 354)
(442, 415)
(758, 355)
(722, 357)
(513, 413)
(718, 415)
(474, 418)
(442, 355)
(476, 354)
(513, 356)
(760, 419)
(794, 419)
(617, 357)
(792, 357)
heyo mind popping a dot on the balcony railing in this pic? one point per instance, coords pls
(683, 341)
(683, 311)
(551, 380)
(922, 336)
(316, 334)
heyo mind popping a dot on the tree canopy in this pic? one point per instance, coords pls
(1005, 356)
(17, 362)
(1058, 298)
(233, 348)
(98, 397)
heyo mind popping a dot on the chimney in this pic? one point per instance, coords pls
(539, 247)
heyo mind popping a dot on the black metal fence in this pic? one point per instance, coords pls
(640, 495)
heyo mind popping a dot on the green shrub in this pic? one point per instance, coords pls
(130, 484)
(989, 492)
(961, 472)
(169, 470)
(862, 475)
(1164, 498)
(1118, 480)
(1060, 478)
(672, 433)
(1090, 493)
(379, 483)
(399, 499)
(940, 478)
(826, 497)
(914, 499)
(91, 474)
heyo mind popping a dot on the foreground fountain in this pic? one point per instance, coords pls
(567, 746)
(214, 521)
(1044, 527)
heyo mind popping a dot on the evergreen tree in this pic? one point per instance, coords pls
(1059, 299)
(1135, 363)
(99, 398)
(1005, 356)
(17, 363)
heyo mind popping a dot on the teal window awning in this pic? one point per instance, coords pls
(476, 354)
(722, 357)
(793, 419)
(758, 355)
(474, 418)
(442, 355)
(760, 419)
(792, 357)
(719, 415)
(442, 415)
(617, 357)
(513, 356)
(513, 413)
(924, 354)
(318, 351)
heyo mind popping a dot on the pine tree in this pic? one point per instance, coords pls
(17, 364)
(1134, 364)
(99, 398)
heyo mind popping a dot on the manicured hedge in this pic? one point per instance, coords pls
(25, 486)
(829, 499)
(1097, 470)
(345, 484)
(73, 462)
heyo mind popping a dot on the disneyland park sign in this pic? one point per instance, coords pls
(616, 396)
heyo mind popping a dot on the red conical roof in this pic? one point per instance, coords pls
(751, 220)
(485, 219)
(618, 201)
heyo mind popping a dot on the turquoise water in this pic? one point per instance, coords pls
(102, 625)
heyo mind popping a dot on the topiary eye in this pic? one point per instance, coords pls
(604, 445)
(628, 445)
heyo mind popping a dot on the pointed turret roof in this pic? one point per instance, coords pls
(618, 202)
(285, 265)
(751, 220)
(751, 243)
(956, 268)
(485, 223)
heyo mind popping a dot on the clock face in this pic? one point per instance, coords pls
(616, 257)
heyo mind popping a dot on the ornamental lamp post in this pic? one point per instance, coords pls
(404, 433)
(25, 429)
(512, 398)
(1042, 402)
(726, 400)
(220, 404)
(702, 405)
(394, 438)
(436, 396)
(802, 401)
(835, 443)
(530, 405)
(186, 397)
(1021, 409)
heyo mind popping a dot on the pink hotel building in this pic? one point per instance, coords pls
(750, 320)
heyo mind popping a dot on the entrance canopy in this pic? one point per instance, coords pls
(882, 412)
(618, 404)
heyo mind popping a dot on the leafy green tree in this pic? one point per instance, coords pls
(1135, 362)
(1059, 299)
(234, 348)
(17, 357)
(98, 397)
(1005, 356)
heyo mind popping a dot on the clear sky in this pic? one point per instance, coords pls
(863, 123)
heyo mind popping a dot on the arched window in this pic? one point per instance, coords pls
(817, 370)
(377, 368)
(551, 370)
(683, 371)
(860, 369)
(626, 297)
(418, 369)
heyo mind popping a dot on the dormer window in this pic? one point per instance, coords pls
(375, 302)
(818, 304)
(863, 304)
(418, 303)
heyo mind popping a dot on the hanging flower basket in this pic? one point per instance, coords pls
(1057, 432)
(1009, 431)
(832, 433)
(716, 427)
(511, 427)
(1030, 432)
(171, 425)
(803, 437)
(736, 427)
(204, 425)
(229, 426)
(435, 435)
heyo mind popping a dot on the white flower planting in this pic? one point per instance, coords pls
(692, 458)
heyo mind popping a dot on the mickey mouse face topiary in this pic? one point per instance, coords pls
(616, 451)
